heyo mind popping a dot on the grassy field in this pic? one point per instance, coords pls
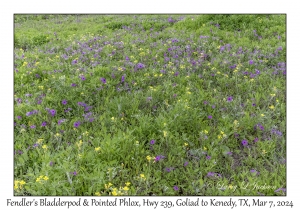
(150, 105)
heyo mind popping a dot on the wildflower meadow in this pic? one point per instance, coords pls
(151, 105)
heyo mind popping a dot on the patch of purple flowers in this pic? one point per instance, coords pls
(31, 113)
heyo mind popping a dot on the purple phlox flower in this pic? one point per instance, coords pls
(168, 169)
(74, 173)
(61, 121)
(44, 124)
(233, 66)
(123, 78)
(20, 152)
(176, 73)
(87, 108)
(37, 76)
(52, 112)
(170, 20)
(213, 106)
(205, 102)
(208, 157)
(253, 171)
(103, 80)
(32, 126)
(255, 140)
(64, 102)
(19, 100)
(229, 153)
(257, 72)
(211, 174)
(162, 71)
(280, 189)
(28, 95)
(51, 163)
(73, 85)
(74, 62)
(185, 163)
(259, 126)
(31, 113)
(82, 104)
(253, 104)
(230, 98)
(222, 48)
(277, 132)
(82, 78)
(140, 66)
(76, 124)
(88, 117)
(176, 188)
(19, 117)
(251, 62)
(69, 109)
(209, 117)
(158, 158)
(175, 40)
(35, 145)
(152, 141)
(244, 142)
(64, 56)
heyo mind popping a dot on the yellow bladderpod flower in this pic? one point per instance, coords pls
(165, 133)
(143, 176)
(149, 158)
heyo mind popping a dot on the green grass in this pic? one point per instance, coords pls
(179, 71)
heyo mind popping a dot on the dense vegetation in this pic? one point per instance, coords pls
(150, 105)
